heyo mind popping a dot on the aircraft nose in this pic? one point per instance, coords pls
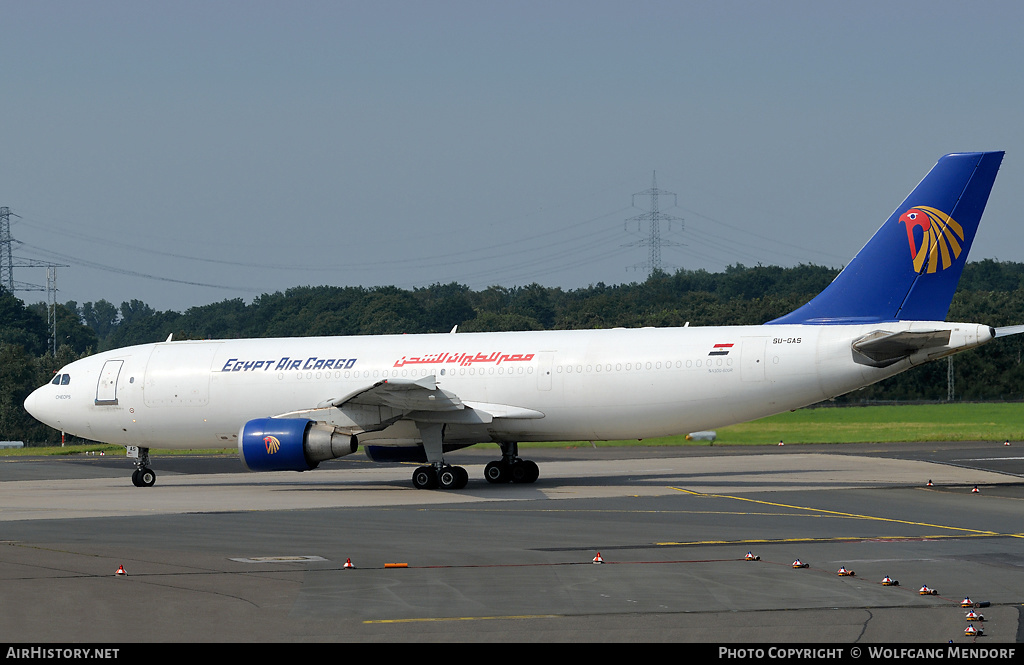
(33, 404)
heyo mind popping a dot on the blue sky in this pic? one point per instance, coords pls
(183, 153)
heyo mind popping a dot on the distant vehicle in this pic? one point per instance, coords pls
(289, 404)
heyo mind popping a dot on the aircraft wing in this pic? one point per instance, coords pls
(403, 394)
(384, 402)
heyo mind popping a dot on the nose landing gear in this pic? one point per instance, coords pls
(143, 476)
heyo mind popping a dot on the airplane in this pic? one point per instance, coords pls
(289, 404)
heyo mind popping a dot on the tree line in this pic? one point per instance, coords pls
(990, 292)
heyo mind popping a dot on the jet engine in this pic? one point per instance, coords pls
(291, 444)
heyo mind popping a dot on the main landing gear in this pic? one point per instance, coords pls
(143, 476)
(447, 478)
(511, 468)
(516, 471)
(438, 474)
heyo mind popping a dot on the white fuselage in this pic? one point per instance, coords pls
(575, 385)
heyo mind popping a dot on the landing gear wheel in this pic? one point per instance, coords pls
(497, 472)
(519, 471)
(452, 478)
(425, 478)
(525, 471)
(144, 477)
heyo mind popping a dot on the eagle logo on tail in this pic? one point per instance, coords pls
(941, 238)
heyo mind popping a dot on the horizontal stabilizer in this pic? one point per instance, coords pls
(882, 348)
(1006, 331)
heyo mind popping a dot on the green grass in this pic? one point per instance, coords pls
(109, 449)
(855, 424)
(919, 422)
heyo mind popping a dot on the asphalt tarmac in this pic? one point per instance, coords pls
(215, 554)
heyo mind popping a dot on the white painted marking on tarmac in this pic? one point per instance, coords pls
(280, 559)
(851, 561)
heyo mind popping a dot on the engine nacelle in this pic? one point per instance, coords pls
(290, 444)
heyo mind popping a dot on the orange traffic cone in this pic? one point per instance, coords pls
(975, 490)
(750, 557)
(348, 564)
(929, 483)
(598, 559)
(843, 572)
(800, 564)
(120, 571)
(972, 631)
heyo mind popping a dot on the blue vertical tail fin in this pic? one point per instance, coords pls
(910, 268)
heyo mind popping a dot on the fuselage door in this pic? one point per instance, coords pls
(544, 362)
(752, 358)
(106, 388)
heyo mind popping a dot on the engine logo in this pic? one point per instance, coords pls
(272, 443)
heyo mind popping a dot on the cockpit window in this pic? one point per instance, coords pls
(61, 380)
(56, 380)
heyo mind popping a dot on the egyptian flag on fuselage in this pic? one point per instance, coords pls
(720, 350)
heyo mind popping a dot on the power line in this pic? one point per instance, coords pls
(134, 273)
